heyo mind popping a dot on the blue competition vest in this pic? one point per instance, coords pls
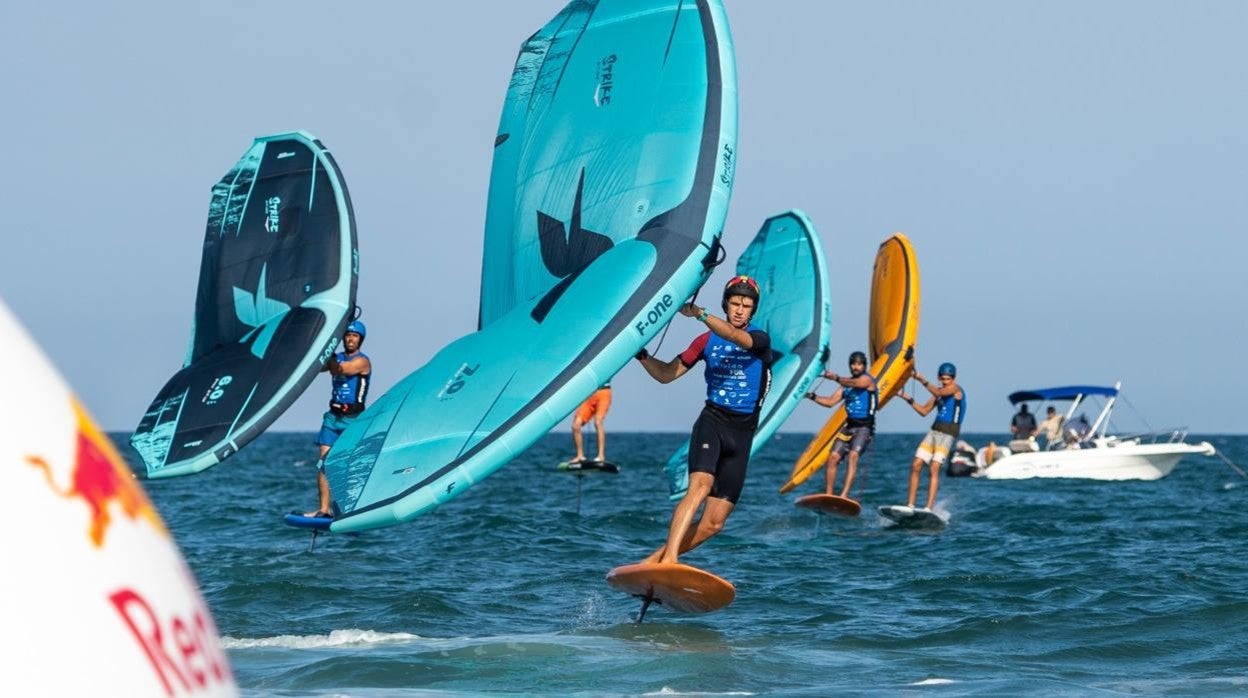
(735, 377)
(860, 403)
(950, 411)
(350, 392)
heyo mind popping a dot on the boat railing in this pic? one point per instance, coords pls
(1160, 436)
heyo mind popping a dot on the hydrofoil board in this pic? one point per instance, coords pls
(682, 588)
(829, 504)
(915, 517)
(581, 467)
(316, 523)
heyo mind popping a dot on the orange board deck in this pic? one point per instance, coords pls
(679, 587)
(829, 504)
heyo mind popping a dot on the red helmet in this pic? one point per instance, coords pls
(740, 285)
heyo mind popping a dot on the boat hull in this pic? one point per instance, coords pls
(1121, 462)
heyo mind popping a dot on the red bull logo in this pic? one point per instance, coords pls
(104, 602)
(179, 640)
(100, 478)
(196, 662)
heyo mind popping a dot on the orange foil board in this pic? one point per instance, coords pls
(679, 587)
(829, 504)
(892, 329)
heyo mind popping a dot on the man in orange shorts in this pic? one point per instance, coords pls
(594, 407)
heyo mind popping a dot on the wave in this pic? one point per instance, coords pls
(665, 691)
(336, 638)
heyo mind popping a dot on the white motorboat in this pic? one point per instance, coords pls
(1087, 451)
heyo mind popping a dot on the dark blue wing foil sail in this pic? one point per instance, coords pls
(276, 289)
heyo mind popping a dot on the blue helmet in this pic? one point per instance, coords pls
(357, 327)
(948, 369)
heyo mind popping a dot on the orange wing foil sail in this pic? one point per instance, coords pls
(892, 330)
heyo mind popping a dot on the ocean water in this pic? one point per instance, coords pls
(1041, 587)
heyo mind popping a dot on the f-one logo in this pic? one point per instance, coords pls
(272, 211)
(328, 351)
(725, 158)
(655, 315)
(606, 81)
(457, 381)
(216, 390)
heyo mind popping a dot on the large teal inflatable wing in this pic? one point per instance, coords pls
(613, 167)
(786, 257)
(276, 285)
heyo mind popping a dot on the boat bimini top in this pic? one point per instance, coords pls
(1075, 393)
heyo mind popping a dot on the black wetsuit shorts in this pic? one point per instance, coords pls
(720, 445)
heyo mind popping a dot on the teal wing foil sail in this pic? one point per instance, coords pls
(276, 288)
(612, 172)
(786, 258)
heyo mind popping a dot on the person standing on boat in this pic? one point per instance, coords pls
(861, 398)
(950, 402)
(595, 407)
(1051, 427)
(1023, 425)
(351, 371)
(738, 374)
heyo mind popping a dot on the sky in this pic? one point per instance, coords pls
(1072, 176)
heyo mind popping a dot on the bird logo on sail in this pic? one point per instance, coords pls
(259, 312)
(566, 250)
